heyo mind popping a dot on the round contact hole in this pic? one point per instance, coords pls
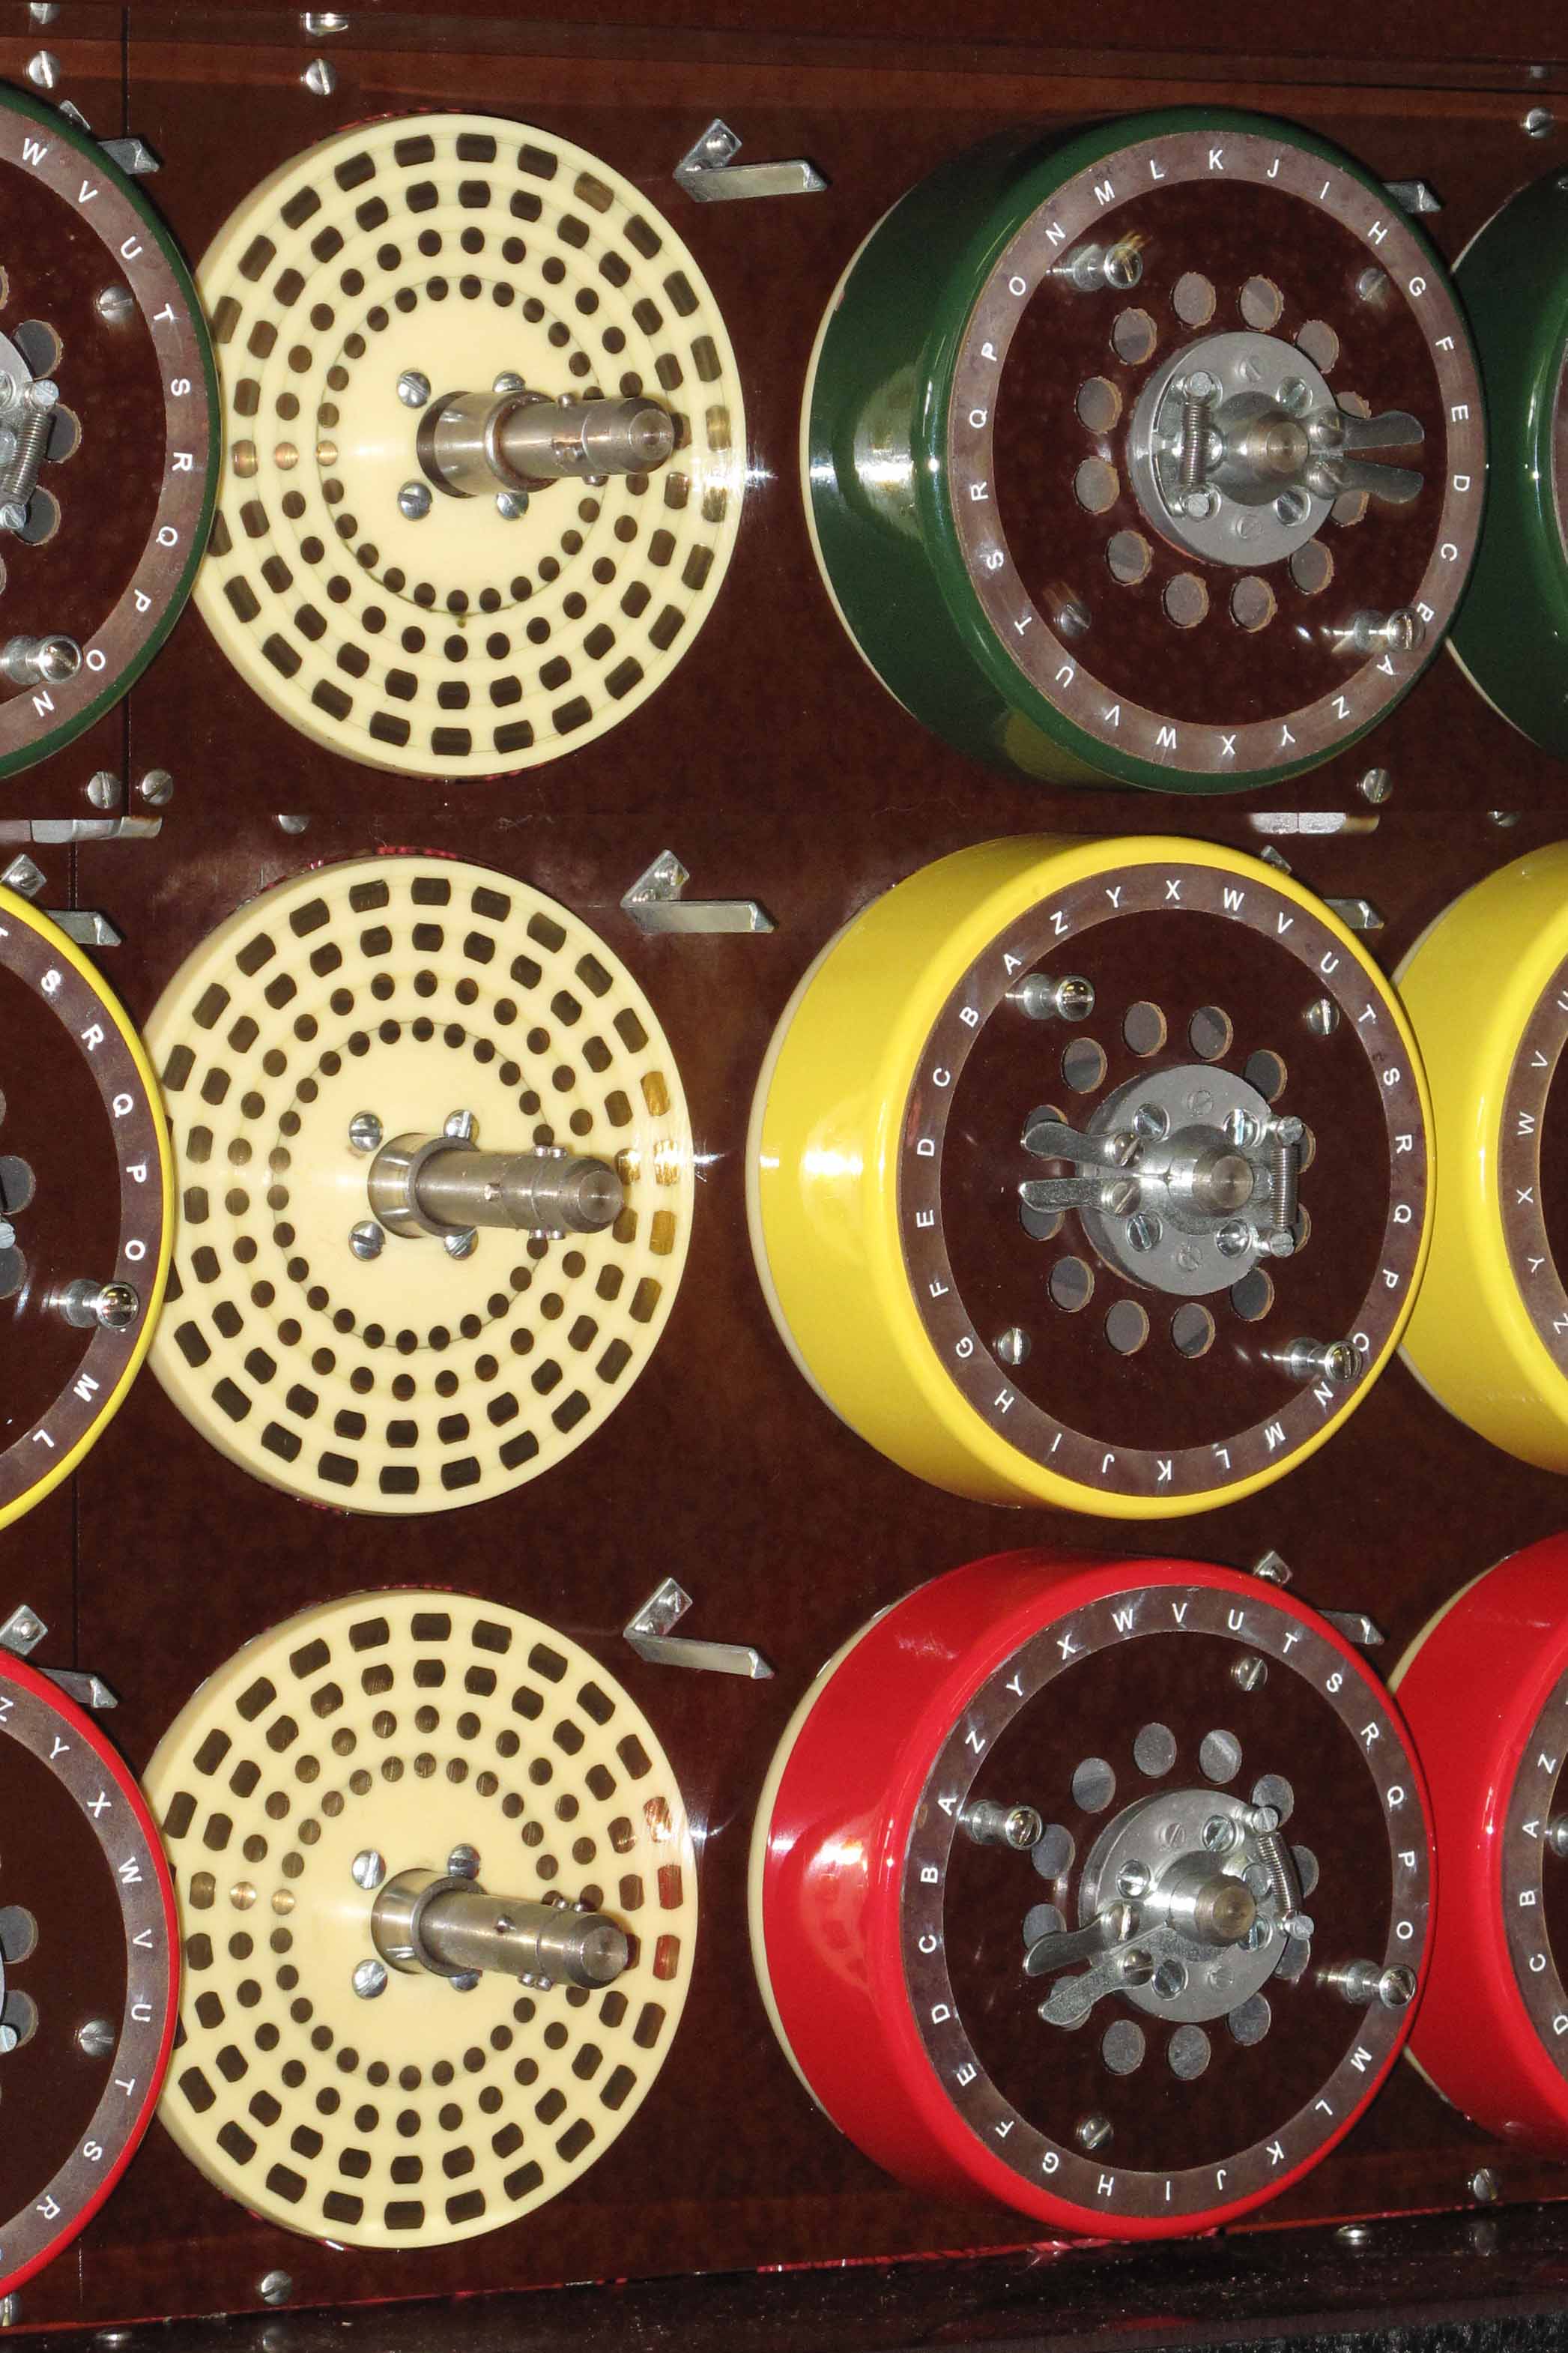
(1251, 2020)
(1126, 1327)
(1349, 508)
(1252, 603)
(1260, 304)
(1154, 1750)
(1185, 600)
(1312, 568)
(1265, 1072)
(1122, 2046)
(1253, 1296)
(1273, 1789)
(1099, 404)
(1070, 1284)
(1133, 337)
(1318, 340)
(1041, 1920)
(1093, 1785)
(1219, 1755)
(1187, 2053)
(1192, 1329)
(1143, 1028)
(1193, 299)
(1097, 485)
(1209, 1032)
(1083, 1065)
(1053, 1850)
(1129, 554)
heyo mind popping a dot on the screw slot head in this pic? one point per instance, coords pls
(1012, 1346)
(1134, 1879)
(1293, 506)
(365, 1131)
(1322, 1017)
(370, 1979)
(414, 500)
(368, 1868)
(1235, 1240)
(1220, 1834)
(1249, 1674)
(1151, 1121)
(509, 504)
(1170, 1980)
(367, 1240)
(413, 389)
(1144, 1230)
(95, 2040)
(463, 1862)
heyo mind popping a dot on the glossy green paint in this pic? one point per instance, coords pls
(56, 738)
(1511, 630)
(876, 458)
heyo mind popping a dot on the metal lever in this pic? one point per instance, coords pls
(649, 1636)
(1114, 1926)
(1052, 1139)
(710, 176)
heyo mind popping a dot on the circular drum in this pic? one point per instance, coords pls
(382, 1815)
(1512, 627)
(1485, 1690)
(88, 1984)
(85, 1202)
(109, 445)
(1486, 988)
(1099, 1889)
(1152, 455)
(1091, 1174)
(436, 1183)
(487, 445)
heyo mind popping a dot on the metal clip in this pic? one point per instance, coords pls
(88, 926)
(133, 155)
(22, 1631)
(1414, 196)
(1356, 1627)
(649, 1634)
(709, 176)
(1358, 914)
(90, 1692)
(655, 904)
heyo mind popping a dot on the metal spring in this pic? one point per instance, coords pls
(19, 478)
(1284, 1166)
(1195, 441)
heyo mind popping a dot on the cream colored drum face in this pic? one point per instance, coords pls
(405, 1725)
(460, 250)
(410, 988)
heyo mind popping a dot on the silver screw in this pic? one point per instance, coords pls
(1271, 1569)
(1233, 1238)
(1134, 1879)
(1484, 2185)
(1151, 1121)
(1219, 1835)
(1120, 1197)
(1170, 1980)
(508, 381)
(1502, 819)
(320, 77)
(464, 1981)
(1294, 396)
(413, 389)
(292, 824)
(1071, 998)
(1200, 385)
(315, 22)
(275, 2287)
(1322, 1017)
(1278, 1244)
(1093, 2132)
(156, 788)
(1200, 1102)
(367, 1238)
(1201, 504)
(1374, 786)
(365, 1131)
(509, 504)
(1144, 1230)
(116, 303)
(1396, 1987)
(414, 500)
(44, 70)
(1242, 1129)
(1372, 284)
(1355, 2235)
(1293, 506)
(13, 515)
(368, 1867)
(460, 1126)
(1251, 1674)
(10, 2311)
(1535, 125)
(104, 789)
(463, 1862)
(9, 2038)
(1012, 1346)
(460, 1245)
(369, 1980)
(95, 2039)
(1072, 621)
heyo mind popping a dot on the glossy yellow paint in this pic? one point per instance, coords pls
(822, 1162)
(16, 911)
(1470, 986)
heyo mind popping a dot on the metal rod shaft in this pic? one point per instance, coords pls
(474, 443)
(436, 1185)
(451, 1927)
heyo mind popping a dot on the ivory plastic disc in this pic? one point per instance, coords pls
(406, 1724)
(410, 987)
(458, 248)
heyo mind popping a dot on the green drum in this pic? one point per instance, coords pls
(1152, 456)
(1511, 634)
